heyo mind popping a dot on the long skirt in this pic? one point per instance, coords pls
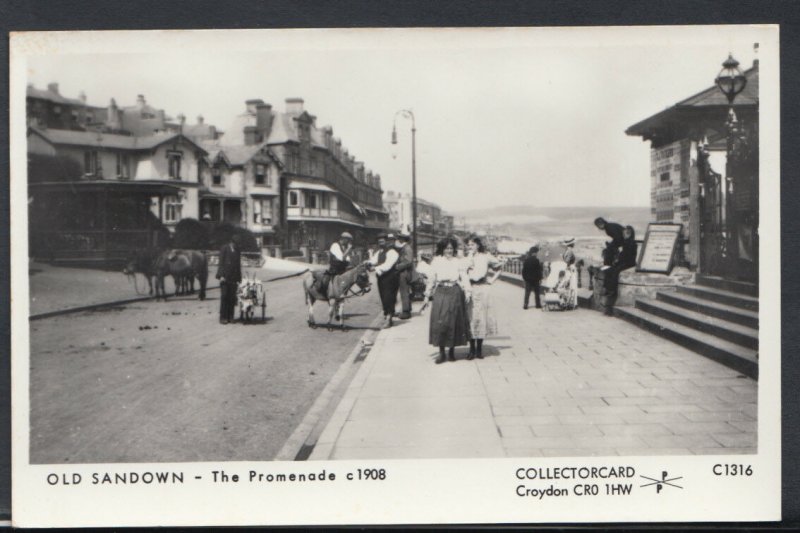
(449, 325)
(482, 321)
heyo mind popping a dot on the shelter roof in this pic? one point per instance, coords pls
(707, 100)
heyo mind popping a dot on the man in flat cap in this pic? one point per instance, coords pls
(385, 260)
(405, 266)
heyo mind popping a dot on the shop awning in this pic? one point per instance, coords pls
(309, 185)
(359, 208)
(222, 195)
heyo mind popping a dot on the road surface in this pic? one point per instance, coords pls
(165, 382)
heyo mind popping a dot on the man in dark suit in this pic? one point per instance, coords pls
(229, 274)
(405, 266)
(613, 246)
(532, 276)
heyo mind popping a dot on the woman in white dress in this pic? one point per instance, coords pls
(449, 288)
(482, 270)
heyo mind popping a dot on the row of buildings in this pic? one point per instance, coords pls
(105, 180)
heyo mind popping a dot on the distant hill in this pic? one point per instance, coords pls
(545, 223)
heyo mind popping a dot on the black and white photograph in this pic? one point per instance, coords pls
(544, 253)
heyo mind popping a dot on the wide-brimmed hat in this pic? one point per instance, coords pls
(390, 235)
(346, 235)
(568, 242)
(404, 235)
(533, 249)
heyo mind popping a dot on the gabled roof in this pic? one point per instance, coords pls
(238, 155)
(108, 140)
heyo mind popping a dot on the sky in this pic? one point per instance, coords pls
(509, 116)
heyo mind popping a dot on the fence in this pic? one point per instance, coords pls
(585, 270)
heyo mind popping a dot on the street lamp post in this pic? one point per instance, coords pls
(731, 81)
(407, 113)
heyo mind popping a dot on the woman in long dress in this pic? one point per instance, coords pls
(449, 288)
(482, 270)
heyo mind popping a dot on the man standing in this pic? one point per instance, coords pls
(229, 274)
(532, 276)
(614, 231)
(405, 267)
(388, 276)
(339, 259)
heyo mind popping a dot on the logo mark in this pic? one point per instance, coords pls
(661, 483)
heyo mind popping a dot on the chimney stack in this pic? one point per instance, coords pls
(200, 120)
(82, 97)
(250, 135)
(264, 119)
(755, 55)
(294, 106)
(53, 88)
(140, 100)
(253, 104)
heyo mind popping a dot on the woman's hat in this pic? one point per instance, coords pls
(346, 235)
(568, 242)
(405, 235)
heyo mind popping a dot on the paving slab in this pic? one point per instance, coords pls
(552, 384)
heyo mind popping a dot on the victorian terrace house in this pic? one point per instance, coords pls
(98, 190)
(298, 187)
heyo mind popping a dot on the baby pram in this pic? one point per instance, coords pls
(561, 287)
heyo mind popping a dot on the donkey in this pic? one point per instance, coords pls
(339, 288)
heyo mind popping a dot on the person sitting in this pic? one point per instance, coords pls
(339, 252)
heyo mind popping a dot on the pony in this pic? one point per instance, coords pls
(183, 266)
(339, 288)
(143, 262)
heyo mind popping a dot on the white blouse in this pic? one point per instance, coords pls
(478, 266)
(450, 270)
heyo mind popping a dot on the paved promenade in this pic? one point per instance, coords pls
(552, 384)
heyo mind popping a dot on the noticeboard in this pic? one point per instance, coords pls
(658, 249)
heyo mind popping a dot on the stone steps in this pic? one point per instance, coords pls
(732, 355)
(715, 317)
(722, 296)
(730, 313)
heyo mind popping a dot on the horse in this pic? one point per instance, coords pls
(183, 266)
(143, 261)
(339, 288)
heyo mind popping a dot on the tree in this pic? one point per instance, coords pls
(191, 234)
(222, 233)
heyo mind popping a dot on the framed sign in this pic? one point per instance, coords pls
(658, 248)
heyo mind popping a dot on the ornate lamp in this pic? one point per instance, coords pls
(731, 80)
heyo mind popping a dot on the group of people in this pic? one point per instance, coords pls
(562, 285)
(462, 311)
(457, 287)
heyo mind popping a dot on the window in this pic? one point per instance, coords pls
(174, 161)
(123, 166)
(216, 175)
(323, 201)
(294, 199)
(311, 200)
(91, 163)
(664, 177)
(262, 211)
(172, 209)
(261, 174)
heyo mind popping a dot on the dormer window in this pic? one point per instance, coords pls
(216, 176)
(174, 162)
(261, 174)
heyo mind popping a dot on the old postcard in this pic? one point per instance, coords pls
(395, 276)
